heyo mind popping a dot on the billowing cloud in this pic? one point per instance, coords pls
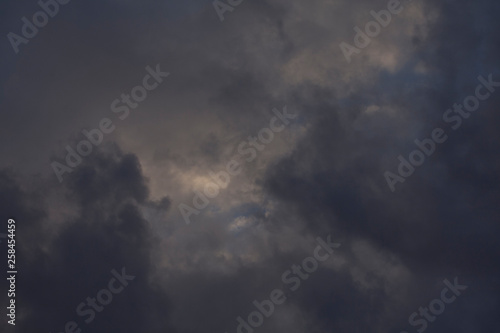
(116, 211)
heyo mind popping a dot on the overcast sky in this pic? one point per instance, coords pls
(201, 148)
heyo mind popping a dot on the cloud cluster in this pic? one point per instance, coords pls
(323, 175)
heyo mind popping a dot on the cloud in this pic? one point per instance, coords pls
(323, 175)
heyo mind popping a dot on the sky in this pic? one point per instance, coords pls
(250, 166)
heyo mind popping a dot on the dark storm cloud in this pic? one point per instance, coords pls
(324, 175)
(433, 222)
(65, 261)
